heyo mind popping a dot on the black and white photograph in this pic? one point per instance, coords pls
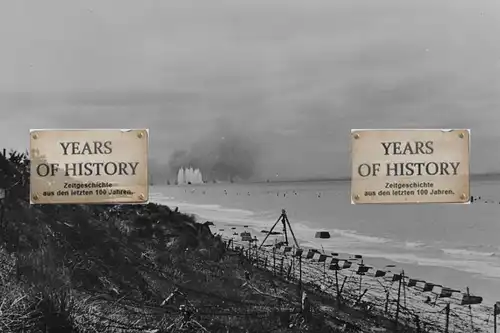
(271, 166)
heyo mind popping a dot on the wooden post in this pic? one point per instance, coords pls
(274, 261)
(471, 319)
(306, 307)
(470, 312)
(265, 263)
(386, 301)
(495, 310)
(399, 299)
(446, 328)
(324, 273)
(343, 284)
(281, 268)
(300, 273)
(358, 301)
(404, 289)
(257, 250)
(360, 283)
(337, 287)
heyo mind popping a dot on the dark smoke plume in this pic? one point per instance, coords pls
(225, 154)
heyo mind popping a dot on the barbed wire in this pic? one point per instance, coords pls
(173, 311)
(431, 315)
(460, 317)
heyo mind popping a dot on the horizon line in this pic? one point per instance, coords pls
(344, 179)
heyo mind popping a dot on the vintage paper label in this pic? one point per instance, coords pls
(410, 166)
(89, 166)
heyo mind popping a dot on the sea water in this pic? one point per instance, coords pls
(454, 245)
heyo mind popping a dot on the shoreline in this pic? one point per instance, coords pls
(378, 262)
(315, 271)
(423, 262)
(379, 293)
(473, 177)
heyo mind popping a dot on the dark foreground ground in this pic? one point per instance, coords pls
(71, 268)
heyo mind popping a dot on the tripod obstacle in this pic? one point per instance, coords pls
(286, 225)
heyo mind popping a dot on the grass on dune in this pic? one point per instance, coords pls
(103, 268)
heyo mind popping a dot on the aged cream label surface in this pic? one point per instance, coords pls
(89, 166)
(410, 166)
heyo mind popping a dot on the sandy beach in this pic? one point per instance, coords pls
(316, 270)
(455, 246)
(446, 266)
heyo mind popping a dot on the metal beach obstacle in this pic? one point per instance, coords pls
(286, 226)
(322, 234)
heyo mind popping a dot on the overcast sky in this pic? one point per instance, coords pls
(295, 75)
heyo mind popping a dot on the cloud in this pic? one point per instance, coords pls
(296, 76)
(227, 153)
